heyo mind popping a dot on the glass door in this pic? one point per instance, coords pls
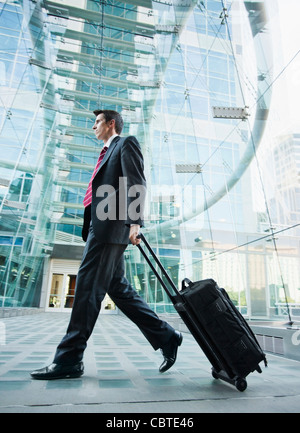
(62, 293)
(56, 291)
(70, 291)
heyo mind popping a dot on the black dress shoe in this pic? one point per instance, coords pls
(170, 352)
(57, 371)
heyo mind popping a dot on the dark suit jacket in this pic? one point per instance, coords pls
(118, 193)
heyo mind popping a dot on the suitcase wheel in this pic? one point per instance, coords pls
(240, 384)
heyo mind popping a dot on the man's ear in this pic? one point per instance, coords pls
(112, 123)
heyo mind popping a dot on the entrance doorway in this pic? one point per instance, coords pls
(61, 288)
(62, 291)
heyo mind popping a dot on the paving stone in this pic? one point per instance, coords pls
(121, 374)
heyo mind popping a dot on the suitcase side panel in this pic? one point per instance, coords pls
(198, 334)
(254, 355)
(225, 327)
(242, 321)
(201, 336)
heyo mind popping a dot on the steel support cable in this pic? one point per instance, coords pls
(242, 274)
(161, 71)
(36, 38)
(191, 87)
(22, 145)
(256, 103)
(9, 262)
(261, 238)
(199, 70)
(272, 231)
(96, 25)
(204, 191)
(254, 150)
(224, 140)
(202, 179)
(87, 46)
(102, 2)
(24, 142)
(183, 60)
(232, 51)
(166, 64)
(3, 7)
(115, 6)
(217, 35)
(263, 187)
(100, 63)
(257, 131)
(225, 10)
(183, 105)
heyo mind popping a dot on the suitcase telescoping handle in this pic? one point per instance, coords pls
(157, 261)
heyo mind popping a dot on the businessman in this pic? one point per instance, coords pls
(113, 216)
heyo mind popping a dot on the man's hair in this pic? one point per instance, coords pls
(112, 115)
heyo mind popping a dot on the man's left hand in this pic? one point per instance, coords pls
(134, 231)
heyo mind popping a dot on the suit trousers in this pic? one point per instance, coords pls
(102, 271)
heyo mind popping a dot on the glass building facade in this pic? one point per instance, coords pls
(200, 83)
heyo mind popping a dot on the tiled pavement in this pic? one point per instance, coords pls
(121, 374)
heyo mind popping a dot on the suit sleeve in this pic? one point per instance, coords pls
(132, 163)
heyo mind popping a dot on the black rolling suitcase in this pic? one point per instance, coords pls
(218, 327)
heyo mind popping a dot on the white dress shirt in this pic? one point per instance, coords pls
(110, 140)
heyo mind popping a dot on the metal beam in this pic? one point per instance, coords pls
(90, 59)
(109, 20)
(71, 183)
(117, 44)
(262, 46)
(92, 78)
(72, 130)
(71, 221)
(79, 147)
(65, 165)
(69, 205)
(21, 167)
(231, 113)
(188, 168)
(103, 98)
(142, 3)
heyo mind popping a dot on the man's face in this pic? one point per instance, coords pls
(103, 130)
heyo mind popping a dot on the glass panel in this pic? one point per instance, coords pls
(164, 66)
(56, 292)
(70, 291)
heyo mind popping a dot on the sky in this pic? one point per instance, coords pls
(284, 117)
(286, 52)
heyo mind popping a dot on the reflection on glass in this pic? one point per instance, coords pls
(56, 291)
(164, 67)
(70, 291)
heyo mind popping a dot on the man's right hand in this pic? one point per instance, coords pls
(134, 231)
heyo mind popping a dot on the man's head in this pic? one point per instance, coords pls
(107, 123)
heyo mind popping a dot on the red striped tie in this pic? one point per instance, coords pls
(88, 195)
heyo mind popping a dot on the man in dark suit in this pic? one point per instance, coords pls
(113, 216)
